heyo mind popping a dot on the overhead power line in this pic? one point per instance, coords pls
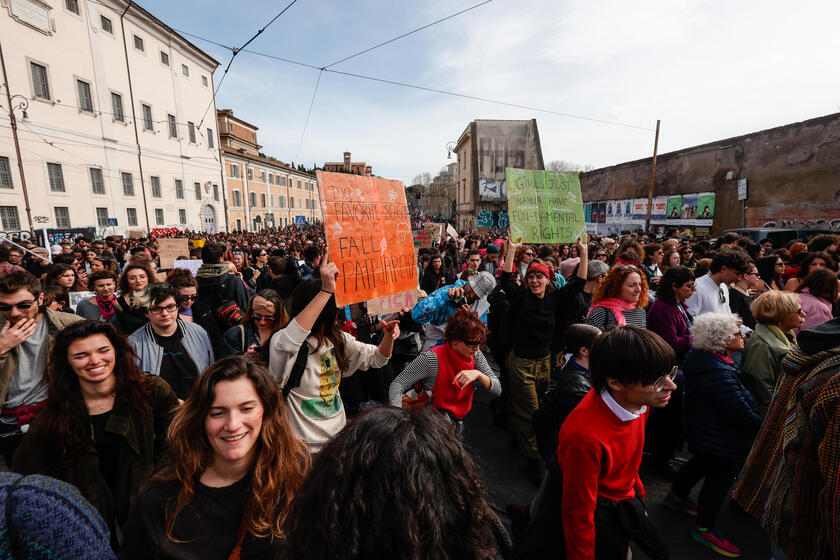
(409, 33)
(306, 123)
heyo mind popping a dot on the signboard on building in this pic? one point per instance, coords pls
(742, 189)
(368, 235)
(545, 206)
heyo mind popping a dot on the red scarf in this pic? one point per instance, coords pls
(446, 395)
(618, 306)
(106, 306)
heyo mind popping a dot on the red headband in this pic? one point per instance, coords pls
(538, 267)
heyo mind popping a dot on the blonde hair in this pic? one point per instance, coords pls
(773, 306)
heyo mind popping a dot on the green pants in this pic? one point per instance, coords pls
(529, 379)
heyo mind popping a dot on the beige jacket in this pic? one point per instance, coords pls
(8, 361)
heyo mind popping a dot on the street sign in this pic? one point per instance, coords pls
(742, 189)
(112, 221)
(300, 220)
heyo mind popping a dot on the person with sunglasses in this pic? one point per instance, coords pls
(166, 346)
(26, 333)
(450, 369)
(721, 421)
(256, 275)
(687, 257)
(712, 292)
(264, 316)
(191, 310)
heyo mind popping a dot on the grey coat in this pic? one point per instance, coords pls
(150, 353)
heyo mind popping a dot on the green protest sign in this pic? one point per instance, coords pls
(545, 206)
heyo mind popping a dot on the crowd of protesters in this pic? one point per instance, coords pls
(205, 414)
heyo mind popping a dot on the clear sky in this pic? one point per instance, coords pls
(708, 69)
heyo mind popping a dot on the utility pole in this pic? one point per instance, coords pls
(652, 176)
(13, 122)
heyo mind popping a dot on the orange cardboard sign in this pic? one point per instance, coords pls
(368, 235)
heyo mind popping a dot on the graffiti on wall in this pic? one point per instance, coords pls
(493, 219)
(804, 224)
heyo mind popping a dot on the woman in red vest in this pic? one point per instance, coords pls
(450, 369)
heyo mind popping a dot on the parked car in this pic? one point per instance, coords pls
(779, 237)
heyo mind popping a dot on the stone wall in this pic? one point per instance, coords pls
(792, 171)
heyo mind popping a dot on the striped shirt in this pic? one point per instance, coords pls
(604, 319)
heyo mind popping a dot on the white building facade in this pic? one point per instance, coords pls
(119, 120)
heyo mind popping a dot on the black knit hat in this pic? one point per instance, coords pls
(49, 519)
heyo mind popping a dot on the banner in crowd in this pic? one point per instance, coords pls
(368, 235)
(393, 303)
(170, 249)
(545, 206)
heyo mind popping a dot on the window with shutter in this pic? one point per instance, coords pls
(155, 181)
(56, 177)
(97, 185)
(131, 214)
(147, 117)
(62, 217)
(5, 173)
(127, 183)
(117, 107)
(9, 218)
(179, 189)
(102, 216)
(85, 99)
(40, 82)
(173, 127)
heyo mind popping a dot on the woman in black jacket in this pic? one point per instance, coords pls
(193, 311)
(721, 420)
(264, 316)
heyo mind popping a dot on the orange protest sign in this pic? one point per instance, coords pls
(368, 235)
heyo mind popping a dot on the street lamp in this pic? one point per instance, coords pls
(449, 147)
(23, 105)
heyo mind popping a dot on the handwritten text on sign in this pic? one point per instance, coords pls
(369, 236)
(545, 206)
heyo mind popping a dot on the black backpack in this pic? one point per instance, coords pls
(297, 370)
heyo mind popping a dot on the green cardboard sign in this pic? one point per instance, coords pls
(545, 206)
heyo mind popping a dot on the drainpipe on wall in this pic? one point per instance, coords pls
(134, 118)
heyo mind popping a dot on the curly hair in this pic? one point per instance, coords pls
(806, 263)
(124, 288)
(611, 286)
(393, 484)
(281, 458)
(181, 278)
(20, 280)
(66, 412)
(100, 275)
(713, 331)
(466, 326)
(773, 306)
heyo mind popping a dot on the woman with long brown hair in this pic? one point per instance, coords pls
(104, 426)
(133, 279)
(264, 316)
(620, 299)
(234, 467)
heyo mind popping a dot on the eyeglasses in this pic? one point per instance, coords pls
(157, 310)
(659, 384)
(21, 305)
(801, 313)
(269, 318)
(472, 344)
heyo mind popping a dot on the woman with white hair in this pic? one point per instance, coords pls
(721, 420)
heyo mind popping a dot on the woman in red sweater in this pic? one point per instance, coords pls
(450, 369)
(600, 447)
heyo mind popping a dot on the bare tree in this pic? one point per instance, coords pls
(562, 165)
(424, 178)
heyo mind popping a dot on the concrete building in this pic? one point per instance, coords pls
(262, 191)
(792, 173)
(347, 166)
(438, 199)
(115, 119)
(485, 149)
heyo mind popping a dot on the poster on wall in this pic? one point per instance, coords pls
(602, 212)
(673, 210)
(545, 206)
(587, 213)
(705, 209)
(368, 235)
(639, 212)
(657, 215)
(491, 188)
(688, 213)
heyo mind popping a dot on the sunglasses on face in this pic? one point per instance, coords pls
(269, 318)
(601, 256)
(188, 298)
(659, 384)
(472, 344)
(529, 254)
(21, 305)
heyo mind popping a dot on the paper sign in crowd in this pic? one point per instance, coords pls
(368, 236)
(545, 206)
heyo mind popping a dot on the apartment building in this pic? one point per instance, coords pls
(115, 120)
(262, 191)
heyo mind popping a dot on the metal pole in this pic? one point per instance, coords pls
(652, 176)
(13, 123)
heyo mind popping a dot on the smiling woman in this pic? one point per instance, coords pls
(234, 468)
(104, 427)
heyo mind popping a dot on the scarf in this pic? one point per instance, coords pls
(788, 339)
(106, 306)
(617, 306)
(446, 395)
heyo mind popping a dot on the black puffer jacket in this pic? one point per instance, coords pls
(721, 417)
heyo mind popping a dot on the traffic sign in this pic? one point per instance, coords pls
(742, 189)
(300, 220)
(112, 221)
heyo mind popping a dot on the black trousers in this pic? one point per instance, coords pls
(618, 523)
(719, 473)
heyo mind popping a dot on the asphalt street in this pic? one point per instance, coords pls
(504, 472)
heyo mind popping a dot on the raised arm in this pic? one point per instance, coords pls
(329, 273)
(583, 252)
